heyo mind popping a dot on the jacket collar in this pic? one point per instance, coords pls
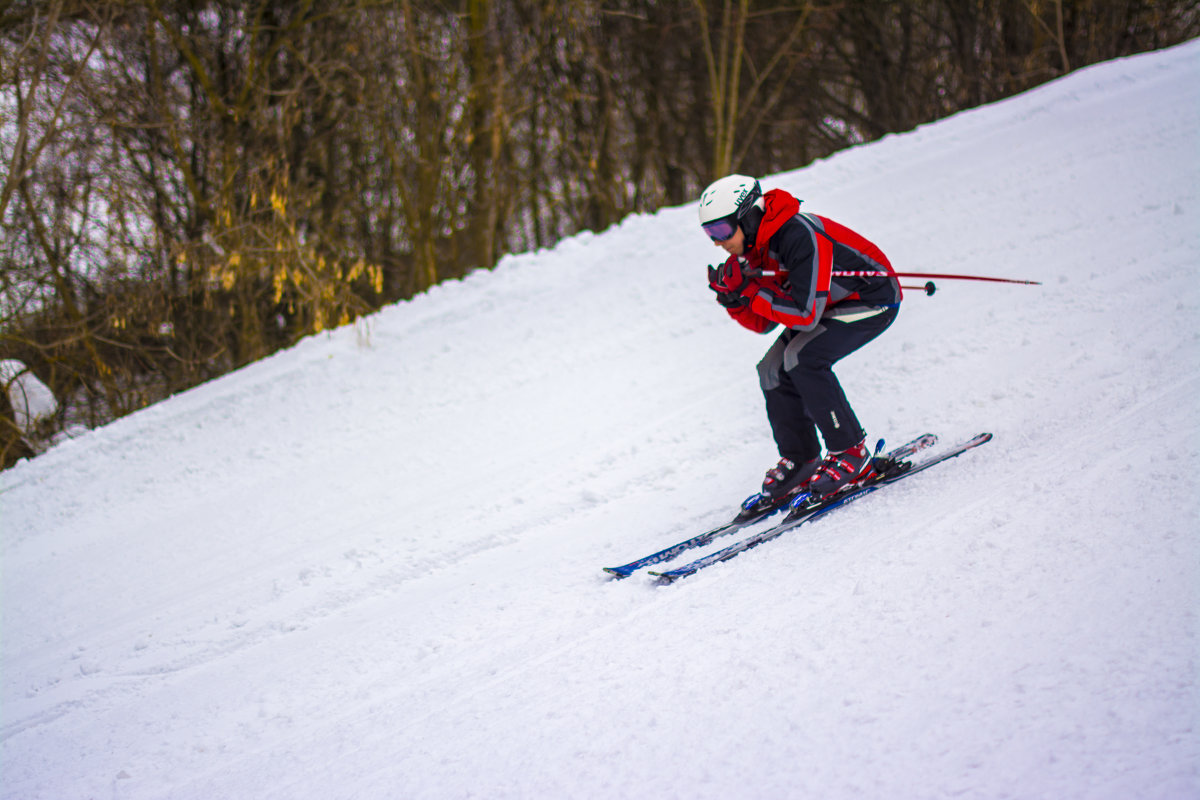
(779, 207)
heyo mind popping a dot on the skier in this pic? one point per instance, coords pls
(794, 269)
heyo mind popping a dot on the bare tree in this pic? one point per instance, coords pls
(192, 184)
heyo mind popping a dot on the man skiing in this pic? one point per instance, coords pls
(832, 291)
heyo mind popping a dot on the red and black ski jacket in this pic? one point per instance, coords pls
(805, 266)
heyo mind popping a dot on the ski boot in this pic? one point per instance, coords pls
(783, 483)
(842, 469)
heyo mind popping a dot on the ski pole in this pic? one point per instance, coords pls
(871, 273)
(928, 288)
(874, 273)
(966, 278)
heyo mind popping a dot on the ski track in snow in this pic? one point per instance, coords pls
(369, 566)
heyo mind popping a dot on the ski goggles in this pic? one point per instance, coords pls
(721, 229)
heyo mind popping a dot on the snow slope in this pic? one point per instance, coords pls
(369, 566)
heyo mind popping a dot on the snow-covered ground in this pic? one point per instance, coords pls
(369, 567)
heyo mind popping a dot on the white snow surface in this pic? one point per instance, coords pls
(369, 566)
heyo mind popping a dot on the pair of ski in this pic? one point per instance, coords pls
(889, 468)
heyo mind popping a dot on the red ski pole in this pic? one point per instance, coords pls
(874, 273)
(963, 277)
(929, 287)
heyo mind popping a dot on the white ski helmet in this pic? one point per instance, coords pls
(725, 202)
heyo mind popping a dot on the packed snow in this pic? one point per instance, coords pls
(370, 566)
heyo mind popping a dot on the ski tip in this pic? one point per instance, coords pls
(617, 572)
(663, 578)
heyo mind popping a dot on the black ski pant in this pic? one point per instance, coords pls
(802, 393)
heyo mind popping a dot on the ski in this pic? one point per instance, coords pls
(808, 511)
(666, 554)
(918, 444)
